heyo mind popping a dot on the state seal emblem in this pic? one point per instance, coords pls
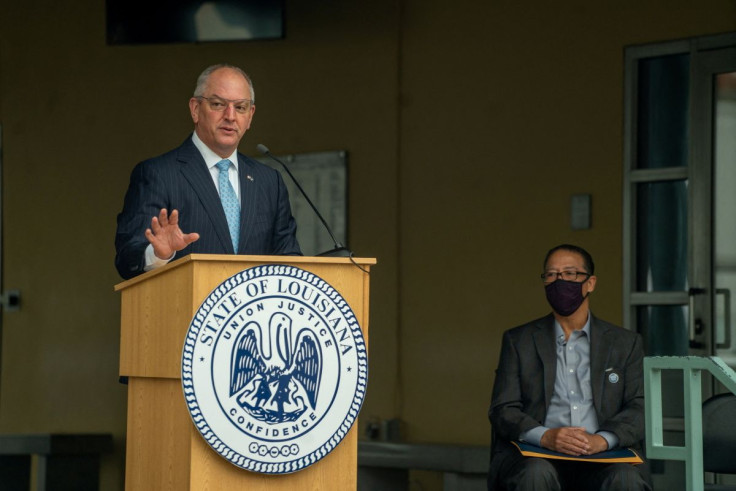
(274, 369)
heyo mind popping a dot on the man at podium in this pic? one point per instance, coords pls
(571, 384)
(205, 196)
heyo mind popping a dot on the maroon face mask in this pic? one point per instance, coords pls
(565, 297)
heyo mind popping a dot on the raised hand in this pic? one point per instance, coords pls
(165, 235)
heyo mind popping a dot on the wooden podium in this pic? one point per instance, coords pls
(165, 451)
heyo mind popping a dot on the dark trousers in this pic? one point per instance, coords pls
(521, 473)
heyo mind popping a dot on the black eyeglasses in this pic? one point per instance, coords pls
(550, 276)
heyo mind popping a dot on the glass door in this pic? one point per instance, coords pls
(719, 86)
(680, 197)
(656, 198)
(680, 211)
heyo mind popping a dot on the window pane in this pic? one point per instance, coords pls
(663, 112)
(664, 329)
(661, 228)
(724, 204)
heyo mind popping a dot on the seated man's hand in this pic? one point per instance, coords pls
(165, 235)
(573, 440)
(597, 444)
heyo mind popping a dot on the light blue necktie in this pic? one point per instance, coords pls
(229, 202)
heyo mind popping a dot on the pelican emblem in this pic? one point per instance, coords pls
(275, 371)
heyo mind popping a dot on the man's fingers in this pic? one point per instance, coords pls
(580, 437)
(152, 237)
(189, 238)
(567, 448)
(165, 234)
(573, 447)
(163, 217)
(155, 226)
(174, 217)
(579, 444)
(572, 440)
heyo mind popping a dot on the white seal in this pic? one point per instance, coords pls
(613, 378)
(274, 369)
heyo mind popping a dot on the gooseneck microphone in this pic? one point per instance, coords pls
(339, 250)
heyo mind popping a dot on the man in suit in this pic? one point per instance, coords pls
(571, 383)
(205, 196)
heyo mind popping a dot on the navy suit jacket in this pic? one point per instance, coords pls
(180, 180)
(525, 381)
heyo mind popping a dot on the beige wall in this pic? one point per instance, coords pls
(508, 110)
(468, 127)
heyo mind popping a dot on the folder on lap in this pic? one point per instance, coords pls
(623, 455)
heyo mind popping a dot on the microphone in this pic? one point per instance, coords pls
(339, 249)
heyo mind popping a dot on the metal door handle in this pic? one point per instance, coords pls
(695, 326)
(726, 318)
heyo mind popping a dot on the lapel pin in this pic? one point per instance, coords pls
(613, 378)
(249, 177)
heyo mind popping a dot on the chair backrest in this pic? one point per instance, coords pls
(719, 434)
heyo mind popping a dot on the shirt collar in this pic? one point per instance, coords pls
(211, 158)
(560, 334)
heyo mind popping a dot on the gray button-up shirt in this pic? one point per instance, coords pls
(572, 401)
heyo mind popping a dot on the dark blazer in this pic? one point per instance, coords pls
(525, 381)
(180, 180)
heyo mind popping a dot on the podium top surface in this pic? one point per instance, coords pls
(246, 260)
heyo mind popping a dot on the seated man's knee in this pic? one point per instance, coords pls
(534, 473)
(622, 476)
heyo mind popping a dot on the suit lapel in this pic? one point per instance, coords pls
(247, 199)
(196, 173)
(544, 339)
(599, 354)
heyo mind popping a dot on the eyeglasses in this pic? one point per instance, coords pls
(550, 276)
(219, 104)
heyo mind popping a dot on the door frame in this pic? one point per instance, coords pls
(707, 55)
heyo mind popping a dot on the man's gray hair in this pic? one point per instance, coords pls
(205, 76)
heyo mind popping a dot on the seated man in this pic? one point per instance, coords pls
(571, 383)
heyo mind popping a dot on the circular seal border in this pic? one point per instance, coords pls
(198, 418)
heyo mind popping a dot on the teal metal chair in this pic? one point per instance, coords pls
(714, 408)
(719, 438)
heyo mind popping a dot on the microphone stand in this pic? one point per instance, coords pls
(339, 250)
